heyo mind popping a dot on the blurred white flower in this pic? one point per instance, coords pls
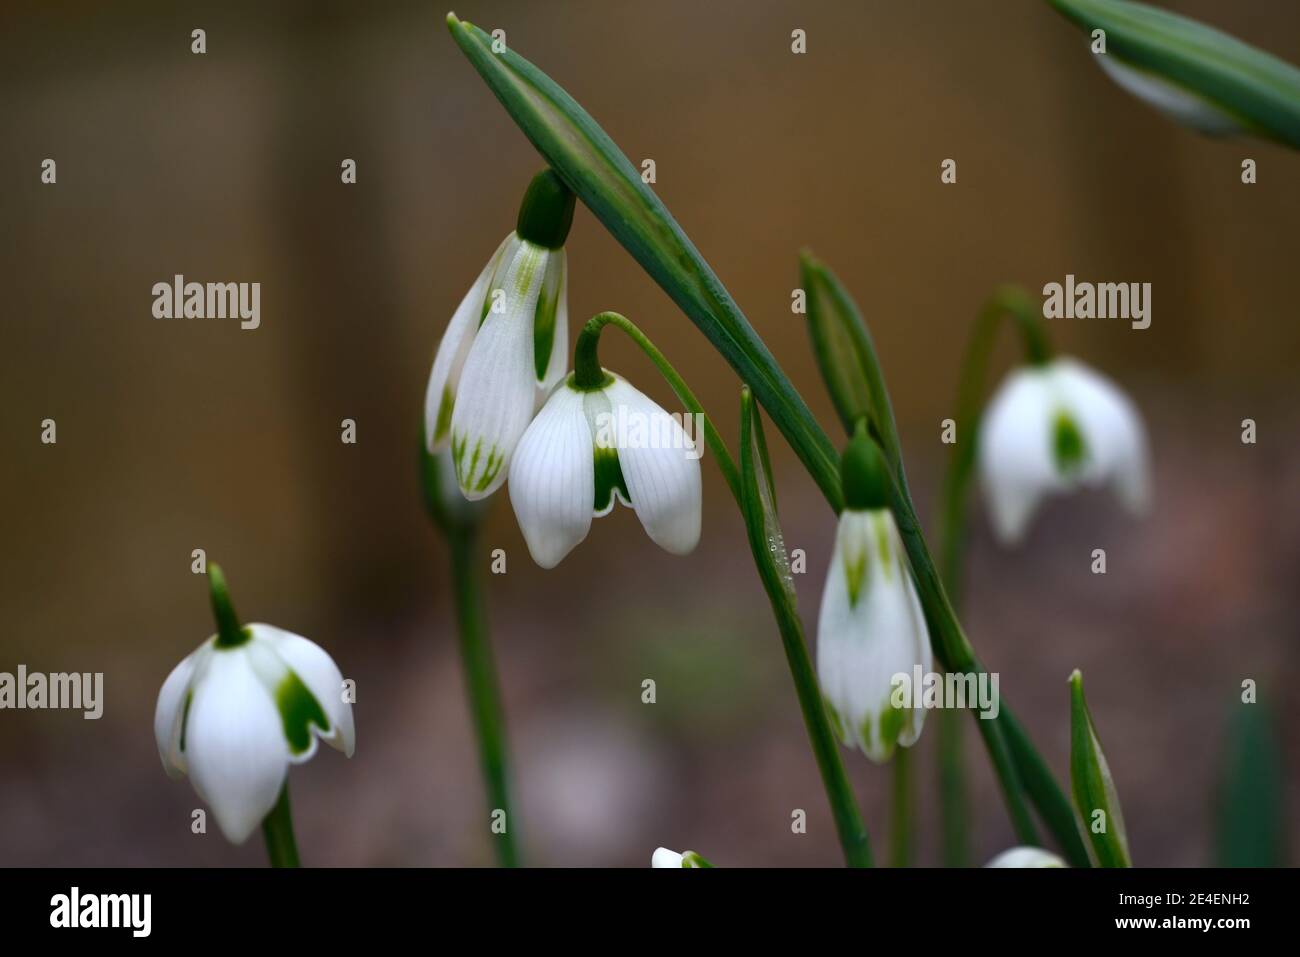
(1026, 857)
(587, 448)
(1051, 428)
(666, 858)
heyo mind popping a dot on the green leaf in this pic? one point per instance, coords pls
(758, 507)
(846, 356)
(1095, 796)
(594, 168)
(1259, 90)
(1251, 810)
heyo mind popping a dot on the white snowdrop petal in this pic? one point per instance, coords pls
(169, 714)
(660, 468)
(321, 676)
(666, 858)
(834, 634)
(498, 387)
(1015, 451)
(1112, 428)
(235, 743)
(870, 629)
(440, 393)
(552, 478)
(1175, 102)
(1026, 857)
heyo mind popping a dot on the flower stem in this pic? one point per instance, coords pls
(588, 374)
(481, 684)
(900, 810)
(277, 828)
(953, 792)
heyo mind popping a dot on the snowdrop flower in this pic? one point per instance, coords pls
(1052, 427)
(590, 447)
(241, 708)
(1026, 857)
(506, 345)
(666, 858)
(871, 626)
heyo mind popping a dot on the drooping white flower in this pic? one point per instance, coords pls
(1051, 428)
(506, 345)
(1176, 102)
(1026, 857)
(870, 629)
(235, 716)
(688, 859)
(589, 447)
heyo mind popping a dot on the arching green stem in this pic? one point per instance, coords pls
(588, 374)
(1007, 302)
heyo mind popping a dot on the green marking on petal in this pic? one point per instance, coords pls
(530, 257)
(892, 722)
(473, 462)
(880, 522)
(609, 476)
(548, 301)
(855, 574)
(299, 709)
(444, 414)
(458, 443)
(1069, 450)
(490, 470)
(185, 717)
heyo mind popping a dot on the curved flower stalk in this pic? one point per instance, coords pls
(1026, 857)
(595, 441)
(871, 627)
(1053, 427)
(459, 521)
(1199, 76)
(663, 857)
(506, 344)
(242, 707)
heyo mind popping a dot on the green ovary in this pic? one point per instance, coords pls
(1069, 450)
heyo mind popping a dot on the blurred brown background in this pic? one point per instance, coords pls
(179, 435)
